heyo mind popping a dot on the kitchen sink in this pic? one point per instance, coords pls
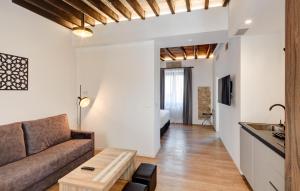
(263, 127)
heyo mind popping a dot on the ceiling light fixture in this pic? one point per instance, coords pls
(248, 22)
(82, 31)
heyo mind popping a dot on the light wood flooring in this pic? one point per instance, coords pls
(192, 158)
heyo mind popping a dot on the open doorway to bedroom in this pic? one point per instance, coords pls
(188, 97)
(186, 85)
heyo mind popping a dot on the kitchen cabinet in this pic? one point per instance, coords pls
(261, 166)
(247, 159)
(268, 168)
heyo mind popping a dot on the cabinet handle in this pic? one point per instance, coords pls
(273, 186)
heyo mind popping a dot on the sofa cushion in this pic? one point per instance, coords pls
(43, 133)
(23, 173)
(12, 146)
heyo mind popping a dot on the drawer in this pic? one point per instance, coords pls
(275, 181)
(268, 169)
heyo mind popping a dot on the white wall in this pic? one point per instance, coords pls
(51, 66)
(156, 137)
(123, 44)
(263, 78)
(121, 79)
(202, 77)
(227, 117)
(256, 64)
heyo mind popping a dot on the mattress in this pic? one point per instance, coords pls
(164, 117)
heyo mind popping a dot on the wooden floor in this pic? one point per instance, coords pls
(193, 159)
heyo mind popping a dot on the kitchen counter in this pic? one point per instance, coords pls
(266, 137)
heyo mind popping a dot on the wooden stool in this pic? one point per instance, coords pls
(146, 174)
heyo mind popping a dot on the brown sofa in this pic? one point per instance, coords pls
(35, 154)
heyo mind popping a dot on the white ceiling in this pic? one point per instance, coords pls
(268, 16)
(188, 28)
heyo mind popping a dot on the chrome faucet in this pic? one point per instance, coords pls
(278, 105)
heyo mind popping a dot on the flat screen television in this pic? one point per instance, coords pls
(224, 90)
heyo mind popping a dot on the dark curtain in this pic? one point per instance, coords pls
(187, 97)
(162, 88)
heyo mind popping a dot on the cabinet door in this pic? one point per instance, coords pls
(246, 149)
(268, 169)
(260, 168)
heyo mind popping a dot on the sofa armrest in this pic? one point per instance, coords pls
(76, 134)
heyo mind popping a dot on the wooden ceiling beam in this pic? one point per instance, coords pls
(44, 13)
(225, 3)
(83, 7)
(137, 8)
(213, 48)
(154, 6)
(209, 50)
(171, 55)
(121, 8)
(184, 53)
(171, 6)
(105, 9)
(199, 48)
(55, 11)
(206, 4)
(196, 52)
(68, 8)
(188, 5)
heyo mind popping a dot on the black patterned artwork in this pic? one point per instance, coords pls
(13, 72)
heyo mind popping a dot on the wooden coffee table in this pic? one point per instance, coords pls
(110, 166)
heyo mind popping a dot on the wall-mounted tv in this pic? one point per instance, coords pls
(225, 90)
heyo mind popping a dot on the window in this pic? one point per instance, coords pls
(174, 93)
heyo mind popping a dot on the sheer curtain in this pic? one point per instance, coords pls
(174, 94)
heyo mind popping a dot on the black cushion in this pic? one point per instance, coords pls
(131, 186)
(145, 170)
(146, 174)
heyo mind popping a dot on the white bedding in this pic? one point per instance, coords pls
(164, 117)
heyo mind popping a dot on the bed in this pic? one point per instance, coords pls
(164, 121)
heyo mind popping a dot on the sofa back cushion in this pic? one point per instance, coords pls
(12, 146)
(43, 133)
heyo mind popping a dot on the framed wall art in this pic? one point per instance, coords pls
(13, 72)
